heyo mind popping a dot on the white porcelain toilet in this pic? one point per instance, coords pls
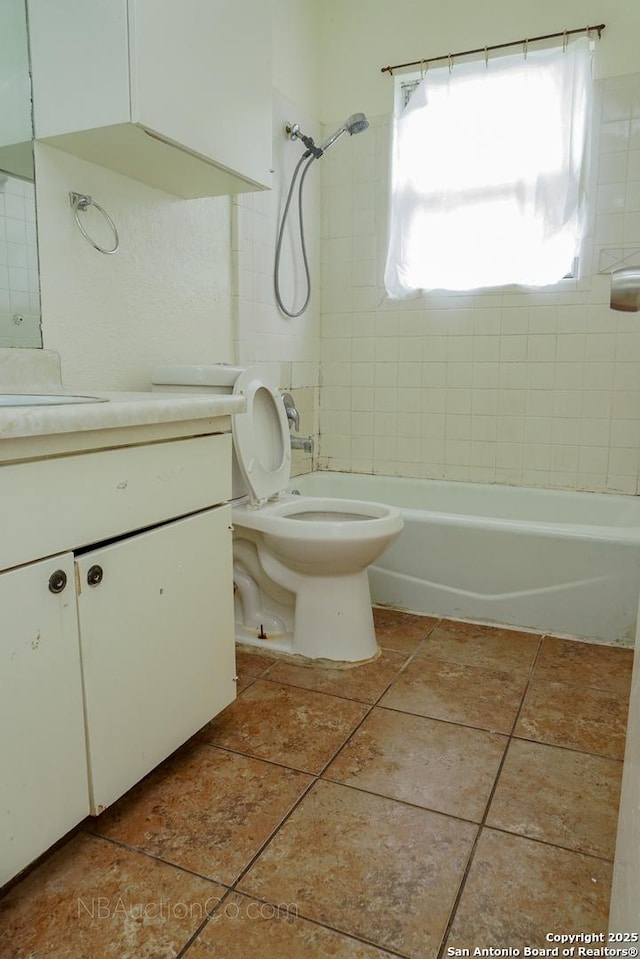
(300, 562)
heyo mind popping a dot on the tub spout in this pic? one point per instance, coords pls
(302, 443)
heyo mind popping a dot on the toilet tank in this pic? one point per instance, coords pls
(212, 378)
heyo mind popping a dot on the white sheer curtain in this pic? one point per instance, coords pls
(488, 174)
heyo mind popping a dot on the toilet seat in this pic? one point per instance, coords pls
(261, 438)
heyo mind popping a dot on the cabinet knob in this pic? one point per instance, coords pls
(57, 581)
(94, 575)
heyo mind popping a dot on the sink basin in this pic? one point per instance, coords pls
(46, 399)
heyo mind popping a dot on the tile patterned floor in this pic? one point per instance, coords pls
(460, 791)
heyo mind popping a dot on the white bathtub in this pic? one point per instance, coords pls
(552, 561)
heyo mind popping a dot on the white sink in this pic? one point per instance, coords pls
(46, 399)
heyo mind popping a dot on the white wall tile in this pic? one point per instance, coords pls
(484, 401)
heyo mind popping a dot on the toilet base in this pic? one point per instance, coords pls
(332, 620)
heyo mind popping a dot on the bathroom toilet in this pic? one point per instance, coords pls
(299, 562)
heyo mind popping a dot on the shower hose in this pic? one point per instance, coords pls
(307, 160)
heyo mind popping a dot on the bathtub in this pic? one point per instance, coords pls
(551, 561)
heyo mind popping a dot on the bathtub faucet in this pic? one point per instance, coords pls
(297, 442)
(292, 413)
(302, 443)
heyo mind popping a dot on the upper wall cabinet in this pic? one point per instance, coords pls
(175, 93)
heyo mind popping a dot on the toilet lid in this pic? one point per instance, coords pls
(261, 438)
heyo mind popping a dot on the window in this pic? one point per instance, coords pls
(489, 172)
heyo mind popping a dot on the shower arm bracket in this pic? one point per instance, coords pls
(294, 132)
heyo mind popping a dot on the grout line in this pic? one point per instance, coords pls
(274, 833)
(569, 749)
(307, 689)
(317, 776)
(527, 686)
(317, 922)
(448, 722)
(405, 802)
(482, 823)
(203, 925)
(155, 858)
(263, 759)
(553, 845)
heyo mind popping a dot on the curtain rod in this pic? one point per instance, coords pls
(496, 46)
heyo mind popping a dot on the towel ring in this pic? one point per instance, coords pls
(80, 202)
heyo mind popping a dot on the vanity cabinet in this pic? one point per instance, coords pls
(156, 634)
(175, 94)
(43, 777)
(116, 625)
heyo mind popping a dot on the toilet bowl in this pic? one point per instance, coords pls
(300, 563)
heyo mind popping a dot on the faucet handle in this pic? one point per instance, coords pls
(292, 413)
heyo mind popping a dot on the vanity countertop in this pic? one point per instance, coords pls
(121, 410)
(126, 419)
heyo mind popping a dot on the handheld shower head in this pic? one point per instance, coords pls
(356, 123)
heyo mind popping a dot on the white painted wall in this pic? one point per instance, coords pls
(358, 37)
(165, 296)
(297, 52)
(180, 289)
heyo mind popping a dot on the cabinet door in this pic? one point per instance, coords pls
(201, 77)
(157, 641)
(43, 763)
(79, 64)
(174, 94)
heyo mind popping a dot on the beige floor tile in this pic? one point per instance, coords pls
(285, 724)
(558, 796)
(457, 693)
(367, 866)
(507, 650)
(384, 616)
(437, 765)
(92, 898)
(517, 891)
(373, 857)
(402, 632)
(569, 661)
(250, 666)
(244, 927)
(580, 717)
(365, 683)
(205, 809)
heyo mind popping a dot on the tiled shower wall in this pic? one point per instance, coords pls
(19, 287)
(538, 388)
